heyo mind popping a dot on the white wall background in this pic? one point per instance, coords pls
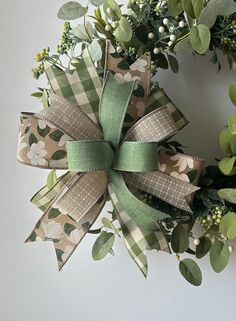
(31, 289)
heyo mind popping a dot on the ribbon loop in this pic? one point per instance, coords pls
(136, 157)
(85, 156)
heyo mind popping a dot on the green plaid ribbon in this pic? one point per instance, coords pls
(138, 240)
(82, 86)
(158, 99)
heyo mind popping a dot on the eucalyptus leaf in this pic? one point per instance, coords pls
(193, 8)
(228, 225)
(96, 3)
(95, 50)
(84, 31)
(226, 165)
(109, 224)
(232, 124)
(102, 245)
(223, 8)
(123, 32)
(175, 7)
(179, 239)
(71, 10)
(228, 194)
(112, 10)
(203, 247)
(190, 271)
(208, 16)
(219, 256)
(51, 179)
(232, 93)
(200, 37)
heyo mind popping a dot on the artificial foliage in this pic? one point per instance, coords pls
(107, 121)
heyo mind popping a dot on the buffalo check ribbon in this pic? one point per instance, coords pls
(82, 131)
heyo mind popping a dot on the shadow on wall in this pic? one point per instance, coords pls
(201, 93)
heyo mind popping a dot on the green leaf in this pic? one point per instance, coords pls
(102, 245)
(59, 155)
(51, 179)
(37, 94)
(59, 254)
(43, 132)
(56, 135)
(228, 194)
(203, 247)
(173, 62)
(45, 99)
(193, 8)
(175, 7)
(32, 139)
(228, 225)
(228, 141)
(95, 50)
(226, 165)
(208, 16)
(232, 124)
(124, 31)
(200, 37)
(109, 225)
(53, 213)
(219, 256)
(71, 10)
(179, 239)
(224, 8)
(114, 11)
(96, 3)
(84, 31)
(232, 93)
(68, 228)
(123, 65)
(192, 175)
(190, 271)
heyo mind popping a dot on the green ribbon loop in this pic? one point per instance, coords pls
(85, 156)
(141, 213)
(112, 108)
(136, 157)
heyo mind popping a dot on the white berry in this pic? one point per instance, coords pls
(166, 21)
(108, 28)
(182, 24)
(151, 35)
(170, 43)
(172, 37)
(109, 10)
(161, 29)
(119, 49)
(114, 24)
(156, 51)
(231, 248)
(196, 241)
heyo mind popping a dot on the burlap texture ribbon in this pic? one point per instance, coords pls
(99, 155)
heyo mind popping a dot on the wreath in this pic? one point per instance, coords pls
(111, 127)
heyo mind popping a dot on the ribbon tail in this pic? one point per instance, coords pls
(167, 188)
(138, 240)
(57, 226)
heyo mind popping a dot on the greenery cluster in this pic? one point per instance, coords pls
(166, 29)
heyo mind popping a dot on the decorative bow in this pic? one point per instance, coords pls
(100, 161)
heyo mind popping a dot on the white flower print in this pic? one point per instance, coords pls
(139, 65)
(64, 138)
(37, 153)
(57, 207)
(162, 167)
(111, 49)
(126, 78)
(67, 252)
(182, 162)
(182, 177)
(75, 236)
(43, 124)
(52, 230)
